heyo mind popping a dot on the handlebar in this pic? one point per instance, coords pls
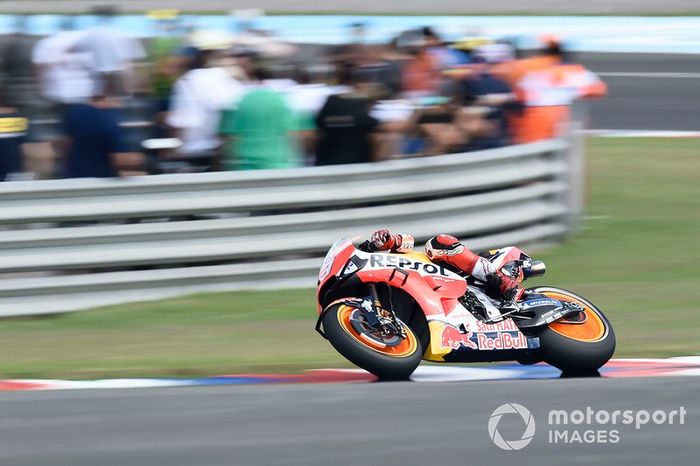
(536, 269)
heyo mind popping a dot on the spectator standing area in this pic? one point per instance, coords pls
(248, 99)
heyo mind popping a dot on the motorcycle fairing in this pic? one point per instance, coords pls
(545, 310)
(455, 333)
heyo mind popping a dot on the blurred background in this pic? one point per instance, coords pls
(147, 156)
(245, 91)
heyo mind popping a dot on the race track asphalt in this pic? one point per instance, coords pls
(646, 91)
(338, 424)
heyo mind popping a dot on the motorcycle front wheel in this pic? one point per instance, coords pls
(580, 344)
(389, 357)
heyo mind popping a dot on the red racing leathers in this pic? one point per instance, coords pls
(448, 250)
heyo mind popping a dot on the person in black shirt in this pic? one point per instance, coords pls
(344, 123)
(347, 132)
(496, 99)
(345, 127)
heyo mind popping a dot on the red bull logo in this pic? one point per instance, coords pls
(502, 341)
(453, 338)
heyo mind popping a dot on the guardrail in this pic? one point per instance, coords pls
(72, 244)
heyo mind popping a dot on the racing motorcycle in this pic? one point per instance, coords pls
(386, 311)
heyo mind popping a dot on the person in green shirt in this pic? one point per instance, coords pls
(259, 132)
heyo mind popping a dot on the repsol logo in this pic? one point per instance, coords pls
(385, 260)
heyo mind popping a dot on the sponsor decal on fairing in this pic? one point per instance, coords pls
(540, 302)
(453, 338)
(503, 335)
(502, 341)
(379, 261)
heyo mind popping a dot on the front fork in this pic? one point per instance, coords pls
(376, 316)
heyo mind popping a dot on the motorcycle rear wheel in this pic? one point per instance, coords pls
(576, 347)
(393, 358)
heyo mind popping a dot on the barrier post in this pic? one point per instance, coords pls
(574, 157)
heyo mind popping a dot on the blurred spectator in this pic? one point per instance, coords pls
(94, 142)
(490, 98)
(495, 53)
(111, 53)
(443, 128)
(397, 118)
(445, 56)
(18, 84)
(306, 99)
(345, 125)
(420, 74)
(393, 59)
(464, 48)
(356, 52)
(65, 75)
(548, 92)
(198, 98)
(416, 96)
(13, 132)
(512, 71)
(347, 130)
(167, 62)
(259, 130)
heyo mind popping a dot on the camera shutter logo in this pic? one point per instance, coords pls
(511, 408)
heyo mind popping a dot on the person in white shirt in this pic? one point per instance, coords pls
(65, 75)
(112, 54)
(199, 96)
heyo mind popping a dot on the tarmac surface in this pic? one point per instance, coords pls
(375, 424)
(654, 92)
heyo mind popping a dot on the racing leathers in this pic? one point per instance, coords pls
(446, 249)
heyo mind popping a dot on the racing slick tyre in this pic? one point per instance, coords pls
(580, 344)
(389, 357)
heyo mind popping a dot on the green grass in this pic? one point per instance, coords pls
(636, 257)
(199, 334)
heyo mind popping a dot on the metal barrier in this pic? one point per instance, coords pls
(73, 244)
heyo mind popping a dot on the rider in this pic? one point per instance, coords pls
(448, 250)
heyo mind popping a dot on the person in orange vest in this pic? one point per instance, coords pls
(547, 93)
(512, 70)
(420, 74)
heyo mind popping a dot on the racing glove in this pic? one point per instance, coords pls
(384, 240)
